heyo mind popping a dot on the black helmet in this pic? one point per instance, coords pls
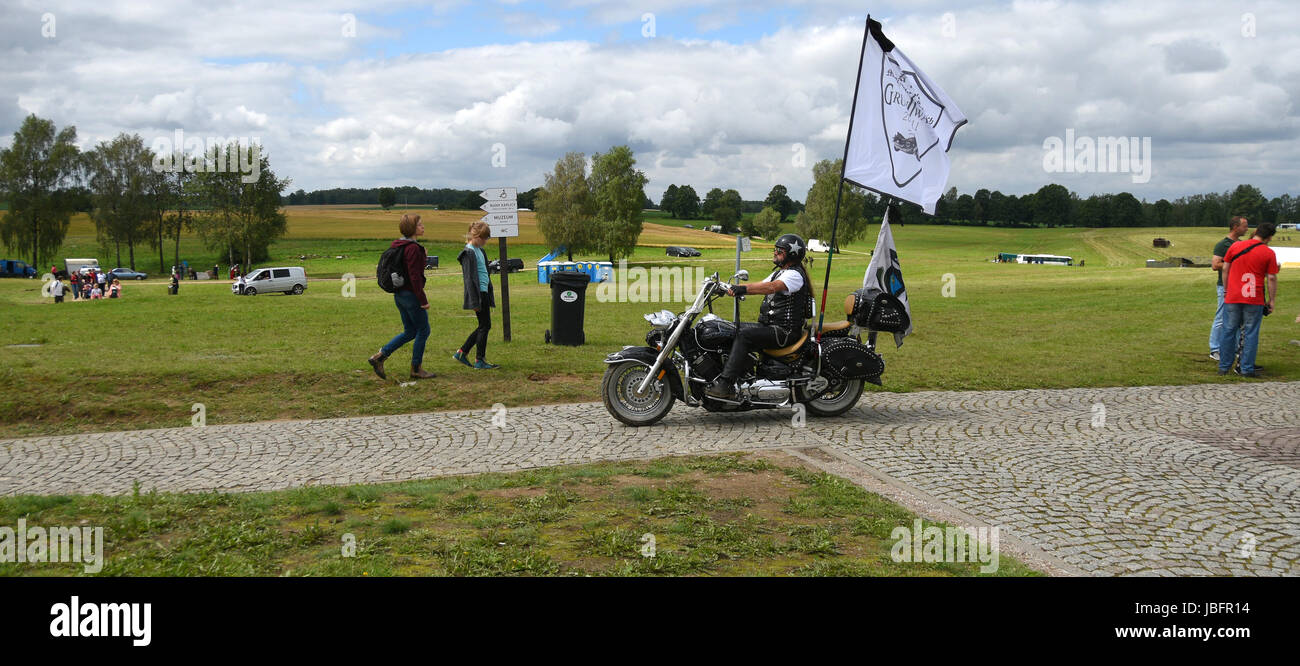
(795, 248)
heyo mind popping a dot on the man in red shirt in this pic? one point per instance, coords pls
(1248, 265)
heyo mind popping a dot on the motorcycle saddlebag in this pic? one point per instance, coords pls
(715, 334)
(846, 358)
(876, 310)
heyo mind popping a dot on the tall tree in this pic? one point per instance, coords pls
(778, 199)
(1248, 202)
(669, 201)
(1051, 205)
(618, 190)
(121, 172)
(767, 223)
(687, 203)
(566, 210)
(711, 201)
(387, 197)
(819, 209)
(38, 164)
(243, 218)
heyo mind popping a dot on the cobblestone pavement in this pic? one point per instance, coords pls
(1189, 480)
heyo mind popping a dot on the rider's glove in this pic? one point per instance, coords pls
(739, 290)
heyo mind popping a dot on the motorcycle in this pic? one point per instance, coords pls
(684, 352)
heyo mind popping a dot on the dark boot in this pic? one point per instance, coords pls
(377, 362)
(418, 372)
(722, 387)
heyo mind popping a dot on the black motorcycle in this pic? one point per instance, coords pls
(685, 352)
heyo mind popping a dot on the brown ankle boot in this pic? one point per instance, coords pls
(377, 362)
(418, 373)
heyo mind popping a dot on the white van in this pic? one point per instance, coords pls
(289, 280)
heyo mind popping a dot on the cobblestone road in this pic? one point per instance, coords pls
(1190, 480)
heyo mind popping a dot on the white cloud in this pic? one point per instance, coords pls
(1217, 105)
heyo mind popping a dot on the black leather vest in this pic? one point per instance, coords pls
(787, 311)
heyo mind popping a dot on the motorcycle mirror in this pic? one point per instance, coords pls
(741, 276)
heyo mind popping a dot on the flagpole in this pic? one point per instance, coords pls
(839, 195)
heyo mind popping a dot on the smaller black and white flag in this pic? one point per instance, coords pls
(885, 274)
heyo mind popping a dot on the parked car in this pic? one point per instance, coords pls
(688, 226)
(430, 261)
(674, 251)
(125, 274)
(289, 280)
(815, 245)
(15, 268)
(516, 265)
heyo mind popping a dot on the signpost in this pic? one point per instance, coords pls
(502, 207)
(742, 245)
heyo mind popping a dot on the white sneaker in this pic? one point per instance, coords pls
(1214, 355)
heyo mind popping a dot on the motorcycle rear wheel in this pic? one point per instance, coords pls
(618, 388)
(839, 398)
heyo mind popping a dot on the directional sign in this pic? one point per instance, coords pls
(494, 219)
(500, 205)
(499, 194)
(505, 231)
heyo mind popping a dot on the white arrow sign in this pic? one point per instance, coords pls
(499, 194)
(500, 206)
(496, 219)
(505, 230)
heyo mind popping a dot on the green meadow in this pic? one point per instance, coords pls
(143, 360)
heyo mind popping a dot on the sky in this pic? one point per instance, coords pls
(741, 95)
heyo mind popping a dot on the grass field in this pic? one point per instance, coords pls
(143, 360)
(729, 515)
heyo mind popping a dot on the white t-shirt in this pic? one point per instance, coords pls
(792, 279)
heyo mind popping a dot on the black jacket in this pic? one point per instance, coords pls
(473, 290)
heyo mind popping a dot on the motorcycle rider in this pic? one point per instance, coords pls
(787, 301)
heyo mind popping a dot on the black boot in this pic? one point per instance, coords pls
(722, 387)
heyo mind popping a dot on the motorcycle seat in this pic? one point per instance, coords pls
(830, 327)
(787, 353)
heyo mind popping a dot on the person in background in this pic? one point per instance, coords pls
(176, 285)
(114, 289)
(86, 288)
(1250, 265)
(96, 293)
(101, 281)
(478, 295)
(56, 290)
(1236, 229)
(76, 285)
(412, 304)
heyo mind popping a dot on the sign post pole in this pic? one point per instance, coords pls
(502, 217)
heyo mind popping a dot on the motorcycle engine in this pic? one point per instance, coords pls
(706, 365)
(762, 390)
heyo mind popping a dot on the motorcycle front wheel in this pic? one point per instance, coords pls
(839, 398)
(619, 390)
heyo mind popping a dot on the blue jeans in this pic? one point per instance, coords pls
(415, 319)
(1241, 319)
(1216, 331)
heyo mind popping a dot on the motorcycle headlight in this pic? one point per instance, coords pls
(662, 319)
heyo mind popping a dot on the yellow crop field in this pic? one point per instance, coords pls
(366, 223)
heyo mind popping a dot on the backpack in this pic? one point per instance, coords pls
(391, 272)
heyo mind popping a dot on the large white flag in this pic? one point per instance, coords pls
(884, 273)
(903, 126)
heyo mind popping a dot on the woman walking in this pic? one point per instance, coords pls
(411, 302)
(478, 295)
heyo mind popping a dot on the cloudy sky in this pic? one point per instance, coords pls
(726, 94)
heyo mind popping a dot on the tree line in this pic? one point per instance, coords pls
(1054, 206)
(226, 194)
